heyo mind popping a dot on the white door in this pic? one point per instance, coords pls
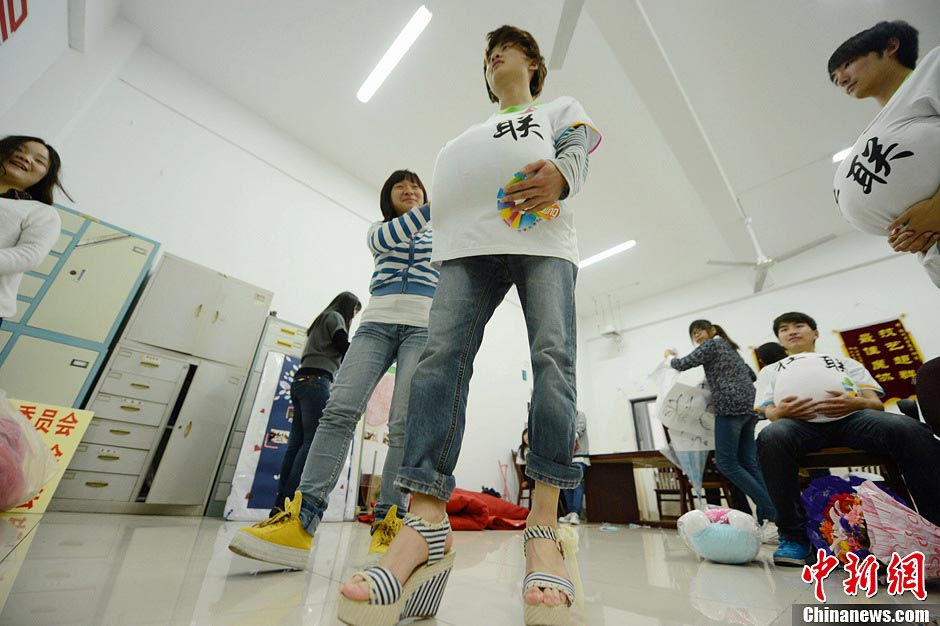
(192, 454)
(92, 287)
(233, 328)
(177, 302)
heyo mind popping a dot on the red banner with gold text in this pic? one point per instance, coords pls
(888, 351)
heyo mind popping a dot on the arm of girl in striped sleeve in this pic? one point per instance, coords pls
(385, 236)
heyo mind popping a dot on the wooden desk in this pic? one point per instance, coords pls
(610, 489)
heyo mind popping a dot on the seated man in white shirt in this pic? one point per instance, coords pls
(801, 425)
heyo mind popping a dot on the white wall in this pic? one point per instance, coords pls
(32, 49)
(147, 147)
(851, 282)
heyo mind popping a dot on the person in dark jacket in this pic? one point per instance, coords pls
(327, 343)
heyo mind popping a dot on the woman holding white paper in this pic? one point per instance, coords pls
(732, 386)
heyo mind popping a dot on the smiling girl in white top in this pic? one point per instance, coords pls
(29, 226)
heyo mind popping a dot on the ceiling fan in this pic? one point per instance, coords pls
(763, 263)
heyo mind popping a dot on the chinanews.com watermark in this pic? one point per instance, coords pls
(866, 614)
(903, 575)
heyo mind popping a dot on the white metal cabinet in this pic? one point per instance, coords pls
(176, 304)
(169, 392)
(240, 308)
(93, 284)
(70, 308)
(278, 336)
(122, 434)
(48, 371)
(192, 454)
(195, 310)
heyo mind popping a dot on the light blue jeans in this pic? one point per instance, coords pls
(736, 457)
(468, 293)
(373, 349)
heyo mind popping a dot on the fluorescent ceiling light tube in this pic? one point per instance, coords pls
(600, 256)
(840, 155)
(395, 52)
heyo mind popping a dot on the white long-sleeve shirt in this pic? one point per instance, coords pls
(28, 230)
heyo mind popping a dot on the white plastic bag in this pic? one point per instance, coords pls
(26, 464)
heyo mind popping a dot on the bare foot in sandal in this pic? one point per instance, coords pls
(542, 555)
(407, 551)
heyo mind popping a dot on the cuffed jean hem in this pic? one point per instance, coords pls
(310, 516)
(551, 473)
(382, 509)
(427, 482)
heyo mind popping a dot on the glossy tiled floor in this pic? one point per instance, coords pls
(119, 569)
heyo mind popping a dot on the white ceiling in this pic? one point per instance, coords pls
(702, 104)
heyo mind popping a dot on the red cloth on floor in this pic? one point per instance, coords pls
(470, 510)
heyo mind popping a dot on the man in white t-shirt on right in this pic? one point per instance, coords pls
(857, 421)
(889, 184)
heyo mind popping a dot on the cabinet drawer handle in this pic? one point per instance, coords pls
(96, 484)
(286, 344)
(215, 317)
(127, 407)
(119, 431)
(140, 385)
(146, 364)
(198, 310)
(109, 457)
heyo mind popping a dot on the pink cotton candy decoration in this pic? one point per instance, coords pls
(12, 449)
(892, 527)
(717, 516)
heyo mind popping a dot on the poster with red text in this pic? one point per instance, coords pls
(62, 428)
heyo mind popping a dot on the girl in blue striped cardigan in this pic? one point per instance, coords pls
(393, 329)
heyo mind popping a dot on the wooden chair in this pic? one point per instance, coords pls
(712, 479)
(849, 457)
(669, 483)
(525, 493)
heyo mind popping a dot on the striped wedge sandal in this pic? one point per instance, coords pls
(391, 602)
(566, 540)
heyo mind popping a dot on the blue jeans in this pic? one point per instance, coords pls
(373, 349)
(736, 457)
(468, 293)
(574, 498)
(910, 443)
(308, 394)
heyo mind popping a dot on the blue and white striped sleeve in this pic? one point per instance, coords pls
(384, 236)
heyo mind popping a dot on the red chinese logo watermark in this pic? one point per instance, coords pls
(10, 18)
(903, 574)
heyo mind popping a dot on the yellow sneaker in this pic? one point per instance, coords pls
(280, 539)
(383, 532)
